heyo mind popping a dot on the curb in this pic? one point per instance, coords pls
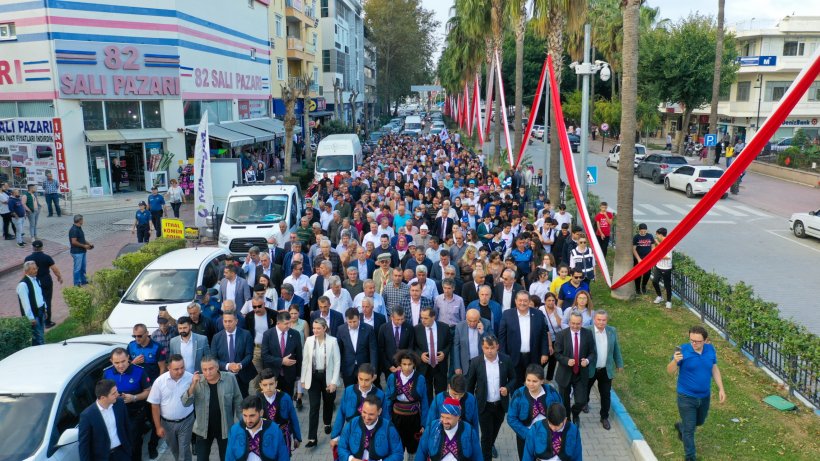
(17, 267)
(641, 449)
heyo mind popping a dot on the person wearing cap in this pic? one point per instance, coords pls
(422, 240)
(448, 438)
(142, 223)
(156, 205)
(133, 386)
(45, 265)
(166, 329)
(553, 437)
(208, 302)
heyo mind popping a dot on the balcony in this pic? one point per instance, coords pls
(297, 51)
(296, 10)
(296, 83)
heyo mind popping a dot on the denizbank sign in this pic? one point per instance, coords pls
(800, 122)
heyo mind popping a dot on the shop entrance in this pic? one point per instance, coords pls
(127, 167)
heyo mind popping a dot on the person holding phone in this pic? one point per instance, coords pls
(695, 363)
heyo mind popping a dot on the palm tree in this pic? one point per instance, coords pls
(518, 14)
(718, 68)
(289, 95)
(629, 123)
(555, 18)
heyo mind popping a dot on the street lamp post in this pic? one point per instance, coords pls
(759, 98)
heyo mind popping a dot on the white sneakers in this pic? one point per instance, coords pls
(658, 300)
(668, 305)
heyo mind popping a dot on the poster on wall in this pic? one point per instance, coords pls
(27, 145)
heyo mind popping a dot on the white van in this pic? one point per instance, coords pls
(413, 124)
(337, 153)
(253, 212)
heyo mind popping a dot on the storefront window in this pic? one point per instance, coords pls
(93, 116)
(98, 179)
(151, 117)
(218, 111)
(39, 109)
(121, 115)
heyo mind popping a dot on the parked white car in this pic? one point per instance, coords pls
(42, 393)
(805, 224)
(693, 179)
(614, 157)
(169, 281)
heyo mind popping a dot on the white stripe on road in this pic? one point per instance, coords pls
(752, 211)
(776, 234)
(675, 208)
(679, 219)
(637, 212)
(654, 209)
(728, 210)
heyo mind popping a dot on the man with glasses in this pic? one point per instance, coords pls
(504, 292)
(262, 320)
(566, 294)
(695, 363)
(151, 356)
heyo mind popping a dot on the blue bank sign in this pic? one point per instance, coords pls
(757, 60)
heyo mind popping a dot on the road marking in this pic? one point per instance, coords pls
(775, 233)
(654, 209)
(752, 211)
(728, 210)
(706, 221)
(637, 212)
(678, 209)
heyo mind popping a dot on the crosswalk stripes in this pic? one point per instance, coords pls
(752, 212)
(666, 210)
(729, 211)
(655, 210)
(678, 209)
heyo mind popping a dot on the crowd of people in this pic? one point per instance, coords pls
(436, 299)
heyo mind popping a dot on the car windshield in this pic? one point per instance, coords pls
(675, 160)
(413, 126)
(334, 163)
(640, 150)
(375, 136)
(162, 286)
(712, 174)
(23, 423)
(257, 209)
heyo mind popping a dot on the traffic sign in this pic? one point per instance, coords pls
(312, 106)
(604, 127)
(592, 175)
(710, 140)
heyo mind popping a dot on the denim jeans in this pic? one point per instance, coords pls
(32, 223)
(693, 412)
(38, 331)
(53, 199)
(79, 268)
(20, 224)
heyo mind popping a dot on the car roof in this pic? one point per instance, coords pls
(706, 167)
(186, 258)
(47, 368)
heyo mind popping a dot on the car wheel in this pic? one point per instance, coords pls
(656, 177)
(689, 192)
(799, 230)
(609, 164)
(724, 196)
(666, 184)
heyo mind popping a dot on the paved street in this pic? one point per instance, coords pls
(745, 237)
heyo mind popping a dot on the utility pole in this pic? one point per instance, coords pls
(585, 112)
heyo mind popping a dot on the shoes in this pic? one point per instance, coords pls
(495, 452)
(193, 448)
(49, 216)
(327, 429)
(680, 432)
(585, 409)
(21, 245)
(299, 403)
(152, 452)
(605, 423)
(658, 300)
(50, 324)
(668, 305)
(576, 419)
(310, 444)
(9, 238)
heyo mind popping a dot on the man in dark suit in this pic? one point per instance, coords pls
(268, 318)
(234, 287)
(365, 265)
(104, 427)
(467, 336)
(504, 292)
(357, 345)
(277, 255)
(522, 347)
(368, 316)
(443, 226)
(603, 370)
(469, 291)
(323, 273)
(394, 336)
(574, 351)
(334, 319)
(282, 352)
(287, 298)
(233, 349)
(492, 380)
(433, 356)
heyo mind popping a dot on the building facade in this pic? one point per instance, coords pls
(103, 91)
(342, 37)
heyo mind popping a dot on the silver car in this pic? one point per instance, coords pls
(657, 166)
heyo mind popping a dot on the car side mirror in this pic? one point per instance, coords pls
(68, 437)
(811, 213)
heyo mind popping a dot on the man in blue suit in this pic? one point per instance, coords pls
(234, 287)
(365, 266)
(287, 298)
(282, 352)
(334, 319)
(104, 427)
(233, 349)
(523, 351)
(357, 344)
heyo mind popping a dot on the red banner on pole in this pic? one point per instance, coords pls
(59, 153)
(536, 103)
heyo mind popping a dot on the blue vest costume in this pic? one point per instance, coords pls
(469, 409)
(418, 393)
(351, 405)
(384, 443)
(432, 443)
(520, 415)
(539, 443)
(283, 413)
(272, 445)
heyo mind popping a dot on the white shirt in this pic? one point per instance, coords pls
(378, 303)
(507, 299)
(600, 347)
(370, 321)
(370, 237)
(354, 339)
(251, 455)
(167, 393)
(400, 397)
(110, 424)
(230, 290)
(186, 350)
(319, 353)
(562, 218)
(298, 286)
(524, 328)
(493, 380)
(339, 303)
(451, 433)
(260, 323)
(415, 310)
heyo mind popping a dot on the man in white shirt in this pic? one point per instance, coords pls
(608, 359)
(369, 287)
(300, 282)
(340, 300)
(109, 440)
(173, 421)
(372, 236)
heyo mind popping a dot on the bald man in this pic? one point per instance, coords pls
(467, 340)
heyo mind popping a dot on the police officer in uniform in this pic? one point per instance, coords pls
(151, 356)
(133, 385)
(156, 205)
(142, 224)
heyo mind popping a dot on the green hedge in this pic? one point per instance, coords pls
(15, 334)
(90, 305)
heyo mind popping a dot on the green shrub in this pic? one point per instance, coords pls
(80, 305)
(15, 334)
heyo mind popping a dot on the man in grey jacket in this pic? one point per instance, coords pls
(191, 346)
(217, 405)
(467, 340)
(608, 360)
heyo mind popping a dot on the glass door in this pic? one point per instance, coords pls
(99, 179)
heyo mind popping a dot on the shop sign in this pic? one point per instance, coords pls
(800, 122)
(59, 153)
(28, 144)
(321, 104)
(117, 71)
(252, 108)
(173, 228)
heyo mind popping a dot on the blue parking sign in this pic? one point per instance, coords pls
(710, 140)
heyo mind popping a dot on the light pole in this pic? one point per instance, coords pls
(586, 69)
(759, 98)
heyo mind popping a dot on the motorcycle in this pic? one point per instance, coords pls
(735, 188)
(692, 149)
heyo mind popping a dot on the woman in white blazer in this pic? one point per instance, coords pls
(320, 376)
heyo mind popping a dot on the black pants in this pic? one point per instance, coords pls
(156, 218)
(203, 447)
(521, 368)
(408, 427)
(604, 386)
(286, 384)
(119, 454)
(6, 222)
(318, 395)
(551, 364)
(143, 233)
(604, 242)
(436, 379)
(519, 444)
(642, 281)
(490, 421)
(53, 199)
(175, 206)
(48, 292)
(137, 419)
(666, 275)
(579, 385)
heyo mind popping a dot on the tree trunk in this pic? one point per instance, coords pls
(519, 75)
(687, 114)
(713, 113)
(289, 97)
(555, 44)
(307, 81)
(626, 178)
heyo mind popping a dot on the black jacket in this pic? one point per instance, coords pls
(477, 379)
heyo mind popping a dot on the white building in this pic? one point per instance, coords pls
(342, 32)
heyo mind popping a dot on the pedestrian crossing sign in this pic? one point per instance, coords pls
(592, 175)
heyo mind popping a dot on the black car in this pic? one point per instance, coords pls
(574, 143)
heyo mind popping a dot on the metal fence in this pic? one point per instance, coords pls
(798, 375)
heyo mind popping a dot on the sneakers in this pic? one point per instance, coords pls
(21, 245)
(658, 300)
(668, 305)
